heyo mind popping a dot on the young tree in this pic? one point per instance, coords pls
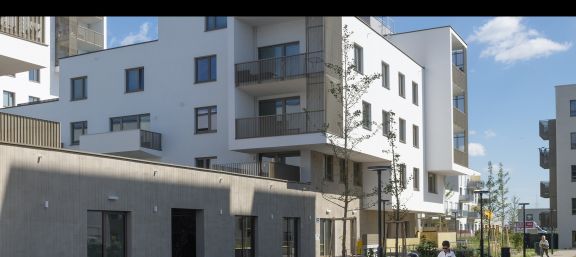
(348, 93)
(502, 204)
(492, 200)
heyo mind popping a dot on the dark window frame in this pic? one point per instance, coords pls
(415, 136)
(573, 140)
(138, 120)
(210, 128)
(459, 138)
(244, 227)
(415, 93)
(357, 174)
(366, 115)
(402, 130)
(295, 236)
(326, 244)
(432, 183)
(342, 170)
(573, 173)
(196, 67)
(12, 96)
(572, 108)
(401, 85)
(84, 88)
(126, 233)
(402, 175)
(208, 28)
(385, 75)
(459, 103)
(140, 80)
(329, 168)
(84, 128)
(34, 75)
(203, 160)
(32, 99)
(416, 179)
(358, 58)
(573, 206)
(385, 123)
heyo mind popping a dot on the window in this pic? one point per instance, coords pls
(573, 173)
(572, 108)
(530, 217)
(328, 168)
(135, 80)
(401, 88)
(279, 106)
(106, 234)
(342, 166)
(290, 237)
(215, 22)
(573, 239)
(458, 59)
(573, 140)
(414, 93)
(432, 183)
(34, 75)
(276, 67)
(326, 238)
(141, 121)
(416, 179)
(206, 119)
(402, 130)
(77, 129)
(184, 239)
(366, 115)
(415, 136)
(573, 206)
(459, 141)
(385, 75)
(78, 89)
(358, 59)
(458, 102)
(206, 69)
(204, 162)
(385, 123)
(277, 51)
(32, 99)
(402, 175)
(8, 99)
(357, 174)
(244, 234)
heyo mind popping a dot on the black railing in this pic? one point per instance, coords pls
(281, 68)
(280, 125)
(544, 189)
(544, 130)
(262, 169)
(151, 140)
(544, 157)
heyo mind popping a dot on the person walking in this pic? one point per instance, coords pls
(446, 251)
(544, 246)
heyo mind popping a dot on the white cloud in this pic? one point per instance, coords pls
(508, 41)
(141, 36)
(113, 42)
(489, 133)
(472, 132)
(476, 149)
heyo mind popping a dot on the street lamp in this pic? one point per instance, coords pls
(455, 226)
(480, 192)
(379, 169)
(552, 232)
(524, 227)
(384, 222)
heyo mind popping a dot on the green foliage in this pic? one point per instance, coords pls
(516, 239)
(371, 252)
(427, 248)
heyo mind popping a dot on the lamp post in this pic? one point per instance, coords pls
(552, 233)
(384, 201)
(481, 192)
(524, 228)
(455, 226)
(379, 169)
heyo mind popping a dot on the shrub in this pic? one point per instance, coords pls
(427, 248)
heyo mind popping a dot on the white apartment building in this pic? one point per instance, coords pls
(559, 157)
(250, 95)
(31, 46)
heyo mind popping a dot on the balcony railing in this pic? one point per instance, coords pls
(545, 129)
(544, 189)
(90, 36)
(262, 169)
(280, 125)
(544, 157)
(151, 140)
(30, 28)
(281, 68)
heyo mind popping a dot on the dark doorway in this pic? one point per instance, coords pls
(183, 233)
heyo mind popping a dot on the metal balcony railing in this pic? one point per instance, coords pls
(544, 157)
(29, 28)
(262, 169)
(544, 189)
(544, 129)
(280, 125)
(281, 68)
(151, 140)
(90, 36)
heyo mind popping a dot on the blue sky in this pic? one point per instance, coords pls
(513, 63)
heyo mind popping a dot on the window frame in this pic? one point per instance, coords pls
(103, 234)
(401, 85)
(84, 88)
(385, 123)
(366, 115)
(34, 75)
(342, 170)
(416, 179)
(196, 67)
(254, 234)
(573, 173)
(138, 120)
(357, 170)
(572, 140)
(358, 58)
(415, 94)
(402, 175)
(432, 187)
(84, 128)
(203, 160)
(573, 206)
(295, 237)
(572, 108)
(457, 138)
(328, 168)
(207, 28)
(210, 129)
(11, 99)
(385, 75)
(415, 136)
(140, 87)
(402, 130)
(32, 99)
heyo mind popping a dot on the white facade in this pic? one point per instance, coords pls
(171, 96)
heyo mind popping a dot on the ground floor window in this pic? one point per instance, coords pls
(183, 233)
(326, 237)
(290, 237)
(244, 234)
(106, 234)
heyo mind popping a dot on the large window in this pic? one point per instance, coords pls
(415, 136)
(573, 173)
(279, 106)
(401, 86)
(326, 237)
(205, 162)
(141, 121)
(78, 89)
(206, 69)
(215, 22)
(358, 59)
(414, 93)
(385, 123)
(328, 168)
(572, 108)
(357, 174)
(8, 99)
(573, 140)
(416, 179)
(366, 115)
(77, 129)
(432, 183)
(385, 75)
(458, 102)
(290, 237)
(135, 79)
(244, 234)
(459, 140)
(107, 234)
(34, 75)
(280, 50)
(402, 130)
(206, 119)
(342, 166)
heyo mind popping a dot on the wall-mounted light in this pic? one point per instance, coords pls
(220, 180)
(155, 208)
(328, 211)
(113, 198)
(45, 204)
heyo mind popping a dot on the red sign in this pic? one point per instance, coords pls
(529, 224)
